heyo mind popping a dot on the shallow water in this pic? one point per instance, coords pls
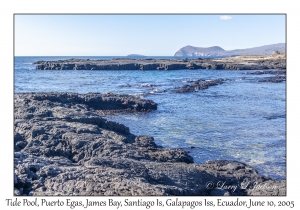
(242, 119)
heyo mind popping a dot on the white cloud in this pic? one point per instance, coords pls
(225, 17)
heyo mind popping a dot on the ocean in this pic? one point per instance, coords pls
(242, 119)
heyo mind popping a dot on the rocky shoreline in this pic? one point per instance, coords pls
(234, 63)
(63, 146)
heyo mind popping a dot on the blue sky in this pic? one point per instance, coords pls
(111, 35)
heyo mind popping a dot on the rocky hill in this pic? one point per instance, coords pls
(190, 51)
(199, 51)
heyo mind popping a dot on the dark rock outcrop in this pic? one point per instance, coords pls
(161, 64)
(198, 85)
(63, 147)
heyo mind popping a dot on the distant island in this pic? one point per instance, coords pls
(136, 55)
(190, 51)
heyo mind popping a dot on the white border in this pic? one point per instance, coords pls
(8, 8)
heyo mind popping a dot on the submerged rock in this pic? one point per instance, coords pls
(198, 85)
(267, 72)
(276, 79)
(63, 147)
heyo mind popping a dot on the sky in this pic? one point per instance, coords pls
(151, 35)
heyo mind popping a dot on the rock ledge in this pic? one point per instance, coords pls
(62, 146)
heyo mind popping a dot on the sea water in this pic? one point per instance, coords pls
(242, 119)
